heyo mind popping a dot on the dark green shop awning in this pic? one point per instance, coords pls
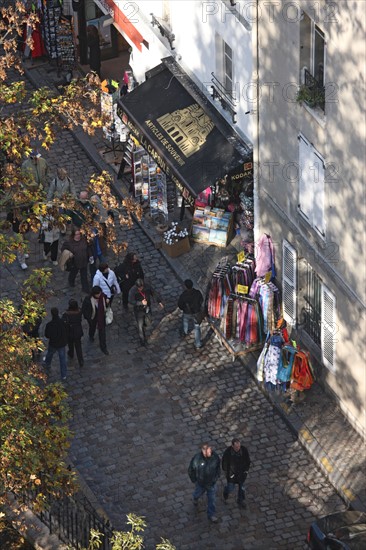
(178, 126)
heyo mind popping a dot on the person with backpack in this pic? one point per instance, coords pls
(107, 280)
(72, 319)
(60, 186)
(190, 302)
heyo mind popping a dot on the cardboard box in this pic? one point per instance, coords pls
(177, 249)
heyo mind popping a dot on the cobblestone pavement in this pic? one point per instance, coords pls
(141, 413)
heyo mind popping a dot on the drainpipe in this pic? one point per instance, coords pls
(256, 144)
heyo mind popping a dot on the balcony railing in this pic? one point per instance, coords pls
(164, 29)
(224, 96)
(315, 89)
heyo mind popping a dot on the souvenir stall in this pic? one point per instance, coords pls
(114, 131)
(282, 366)
(234, 314)
(225, 209)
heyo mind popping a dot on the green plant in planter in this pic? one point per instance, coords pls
(311, 97)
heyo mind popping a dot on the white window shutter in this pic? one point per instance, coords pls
(318, 170)
(289, 280)
(306, 179)
(329, 331)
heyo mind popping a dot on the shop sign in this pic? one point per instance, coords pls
(160, 161)
(246, 171)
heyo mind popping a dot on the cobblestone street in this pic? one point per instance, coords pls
(140, 414)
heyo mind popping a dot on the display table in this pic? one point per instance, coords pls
(212, 226)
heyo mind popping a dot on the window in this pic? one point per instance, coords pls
(319, 315)
(228, 68)
(311, 185)
(289, 283)
(312, 50)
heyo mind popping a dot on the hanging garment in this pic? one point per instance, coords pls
(265, 256)
(273, 360)
(301, 377)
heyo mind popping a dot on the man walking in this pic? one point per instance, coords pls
(190, 302)
(236, 463)
(140, 297)
(56, 333)
(204, 471)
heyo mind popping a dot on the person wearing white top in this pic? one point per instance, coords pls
(107, 280)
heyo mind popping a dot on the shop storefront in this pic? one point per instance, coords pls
(179, 139)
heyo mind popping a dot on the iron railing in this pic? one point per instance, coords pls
(163, 29)
(72, 518)
(224, 96)
(316, 89)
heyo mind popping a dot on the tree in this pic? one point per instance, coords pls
(127, 540)
(34, 434)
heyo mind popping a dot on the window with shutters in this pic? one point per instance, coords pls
(319, 315)
(329, 328)
(289, 282)
(311, 185)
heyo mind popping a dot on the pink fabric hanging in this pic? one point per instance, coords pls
(265, 255)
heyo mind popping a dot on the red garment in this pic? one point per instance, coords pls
(38, 45)
(301, 376)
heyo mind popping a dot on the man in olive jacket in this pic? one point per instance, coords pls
(204, 471)
(236, 463)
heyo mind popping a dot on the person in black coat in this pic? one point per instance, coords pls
(236, 463)
(204, 471)
(72, 319)
(93, 310)
(127, 274)
(56, 333)
(94, 49)
(140, 297)
(190, 302)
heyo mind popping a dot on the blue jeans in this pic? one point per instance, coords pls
(62, 357)
(230, 487)
(211, 498)
(187, 317)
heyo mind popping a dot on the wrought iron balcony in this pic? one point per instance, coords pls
(313, 92)
(224, 96)
(164, 29)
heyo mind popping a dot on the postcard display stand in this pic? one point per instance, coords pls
(150, 183)
(58, 37)
(212, 226)
(51, 17)
(114, 130)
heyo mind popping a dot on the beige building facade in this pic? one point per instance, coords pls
(309, 146)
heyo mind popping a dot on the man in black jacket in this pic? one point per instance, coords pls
(204, 471)
(56, 333)
(236, 463)
(140, 297)
(190, 302)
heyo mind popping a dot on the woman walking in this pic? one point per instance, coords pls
(72, 319)
(49, 235)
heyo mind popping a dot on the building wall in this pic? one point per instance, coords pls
(196, 26)
(339, 136)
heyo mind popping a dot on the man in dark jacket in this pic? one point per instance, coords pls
(57, 335)
(236, 463)
(82, 255)
(190, 302)
(140, 297)
(204, 471)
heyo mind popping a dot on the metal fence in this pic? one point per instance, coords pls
(72, 518)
